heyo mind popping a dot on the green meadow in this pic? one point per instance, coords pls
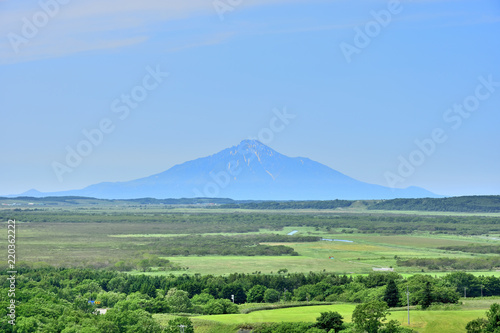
(102, 237)
(104, 243)
(304, 313)
(428, 321)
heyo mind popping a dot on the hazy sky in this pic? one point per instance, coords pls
(397, 94)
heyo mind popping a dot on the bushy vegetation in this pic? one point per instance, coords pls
(452, 263)
(368, 317)
(473, 248)
(203, 223)
(313, 204)
(484, 203)
(51, 299)
(245, 245)
(490, 324)
(57, 299)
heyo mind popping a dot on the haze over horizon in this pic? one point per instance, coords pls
(394, 94)
(247, 171)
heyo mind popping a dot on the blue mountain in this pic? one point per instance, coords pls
(250, 170)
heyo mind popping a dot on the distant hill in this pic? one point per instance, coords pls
(472, 204)
(484, 203)
(87, 201)
(248, 171)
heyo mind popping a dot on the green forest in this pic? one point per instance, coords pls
(58, 300)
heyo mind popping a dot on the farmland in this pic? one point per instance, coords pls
(444, 321)
(191, 242)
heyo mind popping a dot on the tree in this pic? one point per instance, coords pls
(117, 284)
(271, 296)
(256, 294)
(82, 303)
(127, 321)
(304, 292)
(143, 264)
(213, 307)
(201, 299)
(426, 296)
(174, 325)
(493, 316)
(109, 299)
(330, 321)
(108, 327)
(489, 325)
(178, 300)
(236, 290)
(88, 286)
(443, 294)
(369, 316)
(220, 306)
(477, 325)
(391, 296)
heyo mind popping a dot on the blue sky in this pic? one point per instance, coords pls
(360, 92)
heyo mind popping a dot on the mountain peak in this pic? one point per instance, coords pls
(249, 170)
(253, 148)
(251, 143)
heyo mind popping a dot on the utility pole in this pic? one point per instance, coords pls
(482, 290)
(181, 328)
(465, 292)
(408, 302)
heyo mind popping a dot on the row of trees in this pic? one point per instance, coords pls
(473, 248)
(237, 245)
(484, 203)
(313, 204)
(55, 300)
(257, 288)
(483, 263)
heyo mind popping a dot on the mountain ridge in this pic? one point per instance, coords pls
(247, 171)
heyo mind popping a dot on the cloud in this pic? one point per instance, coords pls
(77, 26)
(91, 25)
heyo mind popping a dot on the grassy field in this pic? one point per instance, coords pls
(305, 313)
(92, 241)
(101, 244)
(447, 321)
(430, 321)
(365, 253)
(102, 236)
